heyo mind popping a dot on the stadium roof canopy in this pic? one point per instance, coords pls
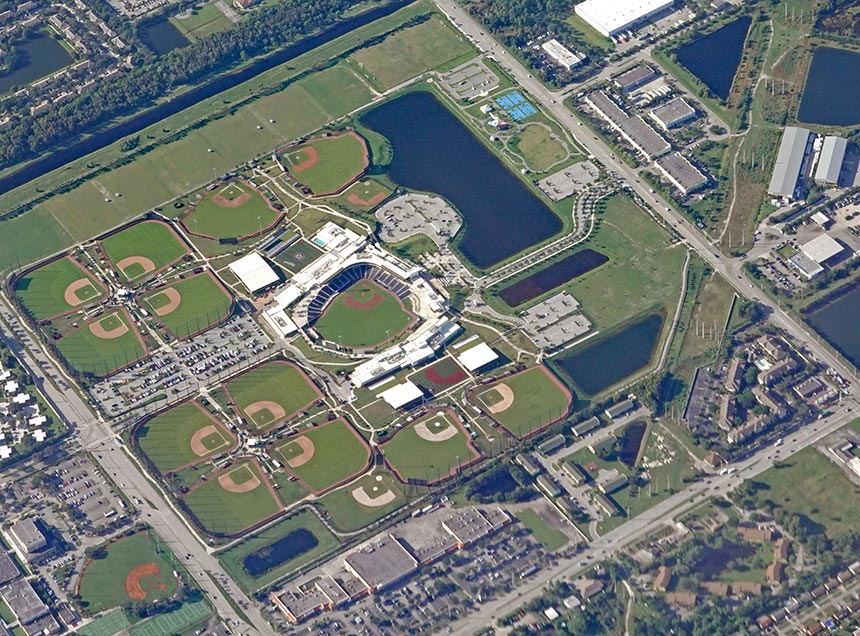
(254, 272)
(477, 357)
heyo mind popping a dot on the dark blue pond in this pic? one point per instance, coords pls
(551, 277)
(832, 93)
(38, 56)
(435, 152)
(837, 322)
(162, 37)
(714, 58)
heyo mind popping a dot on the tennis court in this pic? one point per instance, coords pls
(517, 106)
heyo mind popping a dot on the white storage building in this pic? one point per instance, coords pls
(830, 161)
(610, 17)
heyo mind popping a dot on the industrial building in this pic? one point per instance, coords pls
(610, 17)
(583, 428)
(381, 564)
(562, 55)
(26, 537)
(681, 173)
(794, 154)
(674, 113)
(632, 78)
(830, 161)
(812, 256)
(644, 139)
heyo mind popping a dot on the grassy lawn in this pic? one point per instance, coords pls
(279, 382)
(364, 195)
(233, 209)
(201, 22)
(538, 147)
(43, 291)
(167, 438)
(364, 315)
(88, 353)
(223, 512)
(173, 622)
(410, 52)
(338, 90)
(108, 581)
(150, 239)
(282, 561)
(106, 624)
(430, 448)
(336, 451)
(346, 514)
(5, 613)
(327, 164)
(203, 302)
(550, 538)
(589, 34)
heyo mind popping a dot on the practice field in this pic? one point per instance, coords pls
(130, 569)
(328, 164)
(440, 376)
(366, 194)
(58, 287)
(103, 344)
(364, 315)
(106, 624)
(298, 256)
(174, 622)
(430, 449)
(271, 394)
(190, 305)
(143, 248)
(323, 456)
(364, 501)
(524, 402)
(234, 499)
(234, 209)
(186, 434)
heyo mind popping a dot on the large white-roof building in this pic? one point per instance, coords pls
(477, 357)
(254, 272)
(789, 161)
(822, 248)
(561, 55)
(400, 395)
(830, 161)
(614, 16)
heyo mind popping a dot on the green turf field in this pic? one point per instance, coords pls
(364, 315)
(106, 624)
(338, 89)
(338, 454)
(167, 438)
(151, 239)
(298, 256)
(538, 399)
(338, 160)
(233, 209)
(90, 354)
(233, 558)
(204, 302)
(107, 582)
(347, 515)
(550, 538)
(43, 290)
(279, 382)
(365, 194)
(413, 456)
(222, 512)
(174, 622)
(412, 51)
(200, 22)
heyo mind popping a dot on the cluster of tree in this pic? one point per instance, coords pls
(503, 483)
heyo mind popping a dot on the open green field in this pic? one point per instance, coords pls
(430, 449)
(234, 209)
(324, 456)
(539, 147)
(339, 90)
(143, 248)
(550, 538)
(298, 256)
(56, 288)
(173, 622)
(410, 52)
(524, 402)
(363, 315)
(233, 499)
(233, 558)
(106, 624)
(380, 494)
(272, 393)
(197, 23)
(189, 305)
(103, 344)
(589, 34)
(184, 435)
(131, 569)
(327, 164)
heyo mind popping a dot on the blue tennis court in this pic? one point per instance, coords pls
(516, 105)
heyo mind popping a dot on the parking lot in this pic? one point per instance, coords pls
(470, 80)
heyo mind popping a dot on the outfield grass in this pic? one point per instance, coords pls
(278, 381)
(150, 239)
(166, 438)
(347, 323)
(204, 302)
(410, 52)
(229, 513)
(103, 580)
(87, 353)
(347, 515)
(42, 290)
(201, 22)
(218, 216)
(535, 144)
(233, 558)
(341, 158)
(550, 538)
(364, 195)
(538, 400)
(412, 457)
(339, 453)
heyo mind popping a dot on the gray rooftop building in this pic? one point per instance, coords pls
(635, 77)
(830, 161)
(789, 162)
(681, 173)
(8, 569)
(635, 130)
(27, 537)
(673, 113)
(23, 601)
(381, 564)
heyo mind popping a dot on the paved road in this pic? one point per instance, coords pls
(116, 461)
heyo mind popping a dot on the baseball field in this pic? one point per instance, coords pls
(431, 449)
(271, 394)
(366, 194)
(234, 499)
(234, 208)
(136, 568)
(103, 344)
(190, 305)
(323, 456)
(363, 501)
(327, 165)
(524, 402)
(183, 436)
(60, 286)
(143, 248)
(364, 315)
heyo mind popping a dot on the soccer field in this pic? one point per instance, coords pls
(143, 248)
(57, 287)
(190, 305)
(234, 209)
(328, 164)
(103, 344)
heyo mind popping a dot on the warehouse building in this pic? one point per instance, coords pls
(562, 55)
(644, 139)
(26, 537)
(673, 114)
(794, 152)
(830, 161)
(633, 78)
(610, 17)
(680, 172)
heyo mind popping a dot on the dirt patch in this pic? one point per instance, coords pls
(277, 411)
(312, 156)
(376, 199)
(423, 431)
(133, 589)
(197, 446)
(108, 334)
(174, 299)
(145, 263)
(227, 483)
(353, 303)
(507, 400)
(223, 202)
(307, 454)
(71, 293)
(375, 500)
